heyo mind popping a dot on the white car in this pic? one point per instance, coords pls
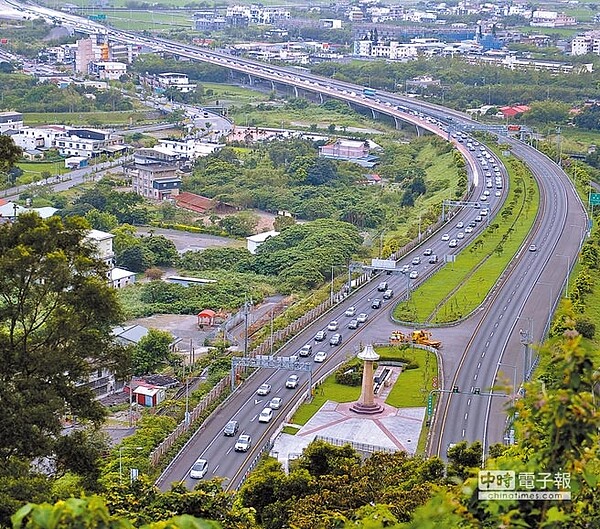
(498, 193)
(446, 237)
(469, 229)
(292, 381)
(333, 326)
(199, 469)
(243, 443)
(453, 243)
(351, 311)
(362, 317)
(414, 274)
(266, 415)
(320, 357)
(275, 403)
(460, 225)
(264, 389)
(460, 235)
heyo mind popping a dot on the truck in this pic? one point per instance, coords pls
(421, 337)
(369, 92)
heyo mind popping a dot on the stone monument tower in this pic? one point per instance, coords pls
(366, 403)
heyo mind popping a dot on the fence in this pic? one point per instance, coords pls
(359, 447)
(263, 348)
(184, 425)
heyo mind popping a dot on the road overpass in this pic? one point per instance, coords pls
(523, 300)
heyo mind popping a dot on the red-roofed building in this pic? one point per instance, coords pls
(512, 111)
(206, 317)
(201, 204)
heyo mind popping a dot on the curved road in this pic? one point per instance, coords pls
(522, 302)
(523, 305)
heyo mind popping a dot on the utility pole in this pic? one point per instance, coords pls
(272, 331)
(526, 341)
(246, 312)
(331, 294)
(187, 386)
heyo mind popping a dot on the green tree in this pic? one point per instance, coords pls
(101, 220)
(588, 118)
(124, 238)
(56, 315)
(136, 258)
(81, 452)
(547, 112)
(241, 224)
(151, 352)
(282, 222)
(164, 252)
(9, 153)
(91, 513)
(19, 484)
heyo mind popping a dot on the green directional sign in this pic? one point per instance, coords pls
(595, 199)
(429, 405)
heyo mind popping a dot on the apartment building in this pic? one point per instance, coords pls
(154, 181)
(88, 143)
(10, 121)
(587, 43)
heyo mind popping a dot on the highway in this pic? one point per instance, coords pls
(522, 301)
(530, 288)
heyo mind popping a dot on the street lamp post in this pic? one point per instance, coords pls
(550, 303)
(514, 367)
(568, 272)
(121, 459)
(526, 341)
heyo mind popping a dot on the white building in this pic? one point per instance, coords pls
(254, 241)
(39, 137)
(107, 70)
(189, 149)
(10, 121)
(586, 43)
(551, 19)
(255, 14)
(88, 142)
(103, 242)
(179, 81)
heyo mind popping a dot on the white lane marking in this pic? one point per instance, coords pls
(469, 402)
(216, 468)
(253, 418)
(479, 365)
(483, 354)
(466, 415)
(475, 376)
(463, 433)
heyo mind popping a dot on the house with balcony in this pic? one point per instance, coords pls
(155, 181)
(88, 143)
(103, 244)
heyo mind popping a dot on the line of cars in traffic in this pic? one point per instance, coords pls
(244, 441)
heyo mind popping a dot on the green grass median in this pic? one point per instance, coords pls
(459, 287)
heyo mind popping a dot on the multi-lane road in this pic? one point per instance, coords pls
(522, 301)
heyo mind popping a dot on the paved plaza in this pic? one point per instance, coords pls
(391, 430)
